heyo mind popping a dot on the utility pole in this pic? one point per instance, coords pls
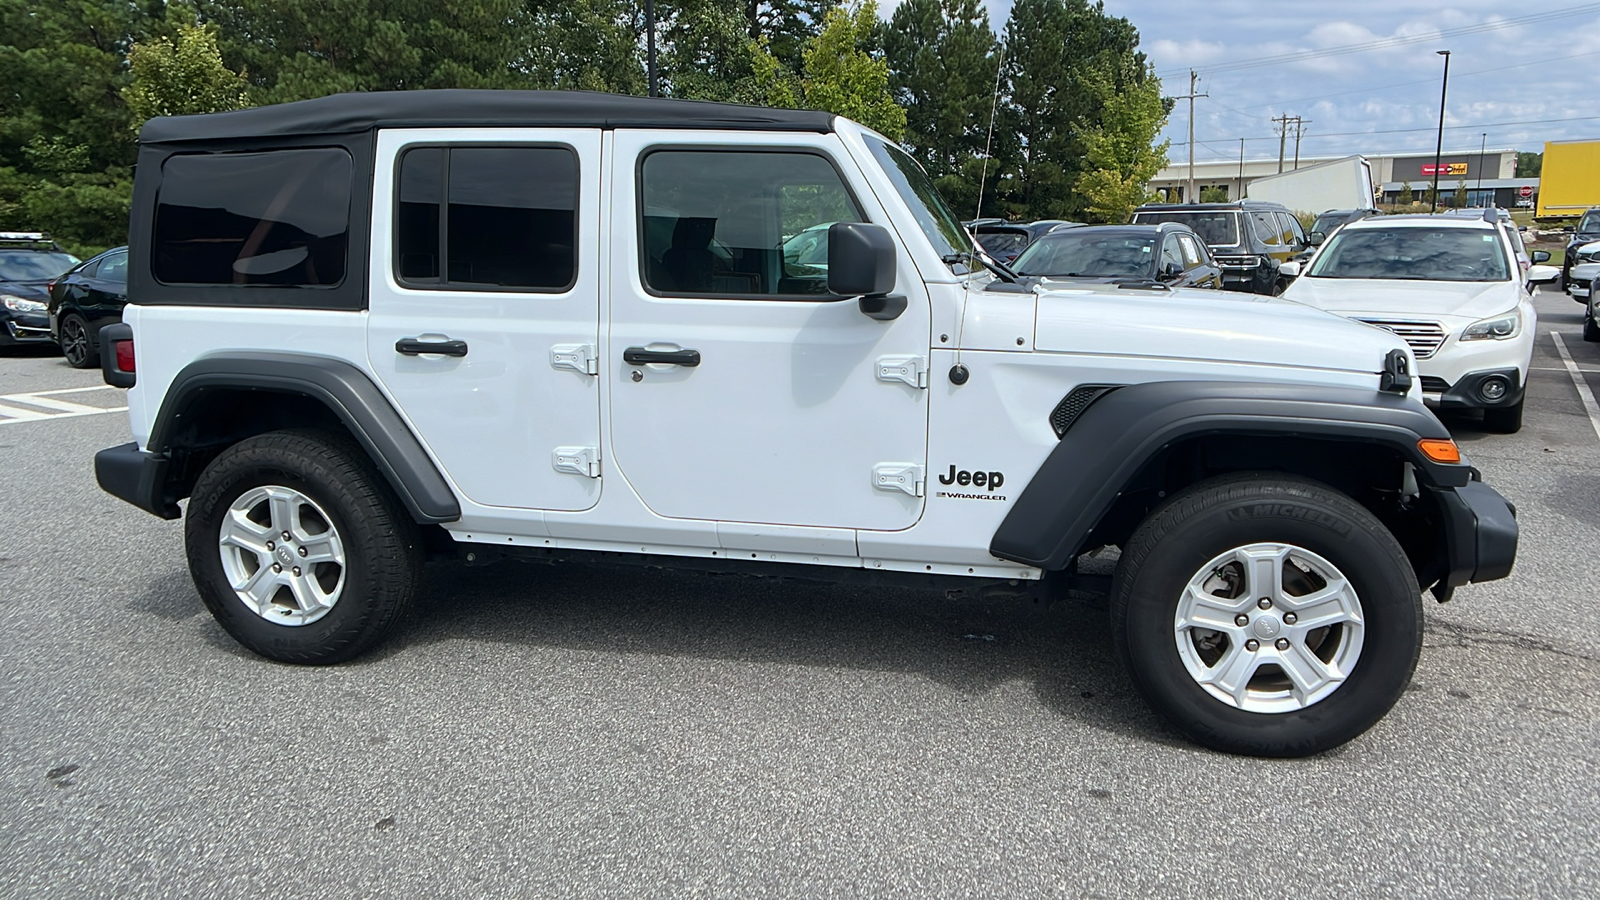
(1241, 170)
(1283, 133)
(1299, 130)
(1188, 196)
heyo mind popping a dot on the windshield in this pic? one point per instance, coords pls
(916, 189)
(33, 265)
(1219, 228)
(1413, 254)
(1075, 255)
(1590, 223)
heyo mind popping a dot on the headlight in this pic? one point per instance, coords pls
(20, 304)
(1499, 328)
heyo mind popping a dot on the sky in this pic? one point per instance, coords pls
(1503, 71)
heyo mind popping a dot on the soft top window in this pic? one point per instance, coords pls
(278, 218)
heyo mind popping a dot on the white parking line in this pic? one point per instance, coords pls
(1584, 394)
(14, 407)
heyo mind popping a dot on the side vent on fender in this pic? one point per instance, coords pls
(1073, 405)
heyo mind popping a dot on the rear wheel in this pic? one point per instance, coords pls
(1506, 420)
(1267, 615)
(1591, 329)
(76, 343)
(301, 552)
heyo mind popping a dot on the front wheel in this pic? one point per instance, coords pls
(1267, 615)
(301, 552)
(1591, 329)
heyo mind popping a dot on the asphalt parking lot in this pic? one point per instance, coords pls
(589, 732)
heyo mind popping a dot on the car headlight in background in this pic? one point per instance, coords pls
(21, 304)
(1499, 328)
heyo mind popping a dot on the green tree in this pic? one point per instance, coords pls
(844, 77)
(181, 76)
(1529, 164)
(1216, 193)
(589, 45)
(943, 58)
(1120, 153)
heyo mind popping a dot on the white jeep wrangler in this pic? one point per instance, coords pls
(563, 325)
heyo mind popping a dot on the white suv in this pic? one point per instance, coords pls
(369, 328)
(1451, 286)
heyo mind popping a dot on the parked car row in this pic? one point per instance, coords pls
(47, 295)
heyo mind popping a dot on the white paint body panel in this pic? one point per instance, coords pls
(493, 417)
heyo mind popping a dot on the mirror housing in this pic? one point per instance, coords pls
(1316, 238)
(861, 259)
(1543, 274)
(1540, 256)
(1291, 269)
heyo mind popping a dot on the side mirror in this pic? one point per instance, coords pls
(1540, 256)
(861, 259)
(1543, 274)
(1316, 238)
(1290, 269)
(1171, 270)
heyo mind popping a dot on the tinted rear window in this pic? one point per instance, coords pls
(1219, 228)
(278, 218)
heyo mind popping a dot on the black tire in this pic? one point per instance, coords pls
(382, 545)
(1176, 543)
(1504, 420)
(1591, 330)
(77, 343)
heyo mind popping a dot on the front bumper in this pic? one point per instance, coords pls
(1464, 393)
(138, 477)
(1581, 279)
(26, 328)
(1480, 535)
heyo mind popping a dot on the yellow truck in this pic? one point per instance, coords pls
(1569, 183)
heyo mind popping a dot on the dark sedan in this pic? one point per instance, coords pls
(28, 262)
(1168, 254)
(85, 300)
(1005, 241)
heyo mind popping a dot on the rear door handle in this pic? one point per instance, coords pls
(640, 356)
(415, 347)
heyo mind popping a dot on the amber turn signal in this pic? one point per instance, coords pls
(1440, 451)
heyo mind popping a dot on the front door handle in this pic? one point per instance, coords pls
(415, 347)
(640, 356)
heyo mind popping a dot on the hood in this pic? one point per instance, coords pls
(1194, 323)
(27, 290)
(1404, 299)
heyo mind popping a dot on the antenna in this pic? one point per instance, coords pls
(994, 103)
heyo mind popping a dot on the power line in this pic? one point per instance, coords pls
(1401, 41)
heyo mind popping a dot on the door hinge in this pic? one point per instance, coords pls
(583, 461)
(912, 370)
(580, 358)
(896, 476)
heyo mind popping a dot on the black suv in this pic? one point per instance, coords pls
(86, 299)
(1249, 238)
(1332, 220)
(1587, 232)
(1166, 254)
(1005, 241)
(29, 261)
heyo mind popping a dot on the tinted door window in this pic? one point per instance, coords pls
(1193, 255)
(114, 268)
(1267, 228)
(739, 224)
(277, 218)
(1170, 259)
(1295, 235)
(509, 221)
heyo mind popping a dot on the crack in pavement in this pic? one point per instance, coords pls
(1467, 636)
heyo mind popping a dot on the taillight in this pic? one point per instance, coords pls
(125, 356)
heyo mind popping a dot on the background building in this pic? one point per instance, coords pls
(1392, 172)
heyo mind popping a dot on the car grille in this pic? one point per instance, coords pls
(1424, 337)
(1432, 384)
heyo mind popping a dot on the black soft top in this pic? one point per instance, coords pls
(353, 113)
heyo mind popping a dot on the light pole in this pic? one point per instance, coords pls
(1438, 148)
(1483, 147)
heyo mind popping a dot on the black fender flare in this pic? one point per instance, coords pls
(1113, 439)
(346, 391)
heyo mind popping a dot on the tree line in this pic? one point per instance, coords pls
(1054, 117)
